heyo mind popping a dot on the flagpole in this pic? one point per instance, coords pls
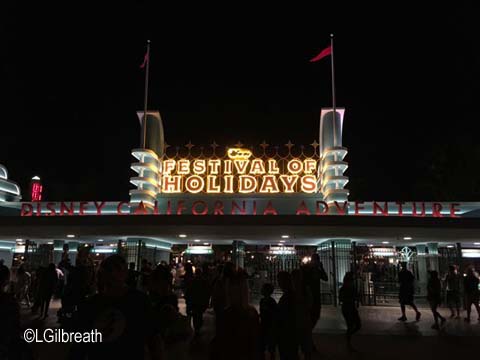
(334, 105)
(145, 100)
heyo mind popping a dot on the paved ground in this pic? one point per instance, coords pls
(382, 336)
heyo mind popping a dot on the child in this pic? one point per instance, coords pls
(268, 313)
(347, 298)
(434, 297)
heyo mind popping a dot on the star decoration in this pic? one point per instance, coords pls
(189, 146)
(289, 145)
(264, 145)
(315, 144)
(214, 145)
(239, 144)
(166, 146)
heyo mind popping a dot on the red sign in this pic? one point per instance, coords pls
(243, 207)
(37, 191)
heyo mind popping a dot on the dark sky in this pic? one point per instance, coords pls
(409, 78)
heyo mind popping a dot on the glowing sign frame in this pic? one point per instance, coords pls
(239, 172)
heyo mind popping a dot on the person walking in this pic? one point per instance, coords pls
(471, 292)
(23, 286)
(434, 297)
(453, 281)
(348, 297)
(406, 293)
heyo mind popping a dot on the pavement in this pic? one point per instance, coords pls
(382, 336)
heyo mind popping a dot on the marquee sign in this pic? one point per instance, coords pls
(219, 206)
(239, 172)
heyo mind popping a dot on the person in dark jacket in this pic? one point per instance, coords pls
(348, 297)
(471, 293)
(434, 297)
(407, 289)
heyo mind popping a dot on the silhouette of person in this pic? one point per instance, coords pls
(313, 274)
(348, 297)
(406, 293)
(122, 315)
(23, 285)
(303, 303)
(219, 293)
(471, 292)
(48, 285)
(10, 315)
(199, 295)
(453, 281)
(287, 319)
(11, 345)
(132, 277)
(237, 335)
(434, 297)
(268, 315)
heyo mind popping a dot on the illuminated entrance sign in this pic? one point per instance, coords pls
(308, 205)
(240, 172)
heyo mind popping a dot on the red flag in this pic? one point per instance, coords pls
(323, 53)
(145, 60)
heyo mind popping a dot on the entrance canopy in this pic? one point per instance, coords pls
(255, 230)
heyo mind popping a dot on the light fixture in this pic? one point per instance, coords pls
(206, 244)
(285, 236)
(70, 236)
(450, 246)
(112, 244)
(100, 240)
(182, 235)
(50, 243)
(385, 242)
(19, 239)
(282, 241)
(476, 243)
(407, 238)
(196, 240)
(280, 244)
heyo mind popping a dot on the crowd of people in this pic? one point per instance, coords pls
(138, 314)
(453, 286)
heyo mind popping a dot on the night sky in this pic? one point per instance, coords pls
(408, 77)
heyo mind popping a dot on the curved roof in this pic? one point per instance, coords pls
(3, 172)
(9, 190)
